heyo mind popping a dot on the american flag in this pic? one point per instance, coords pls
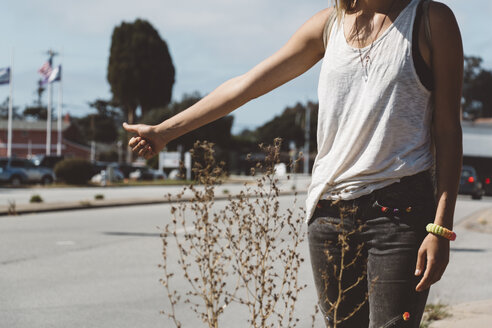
(45, 71)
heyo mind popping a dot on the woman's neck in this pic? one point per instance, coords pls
(376, 6)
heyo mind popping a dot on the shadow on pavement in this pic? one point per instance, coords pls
(471, 250)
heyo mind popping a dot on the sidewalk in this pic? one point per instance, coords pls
(476, 314)
(16, 201)
(472, 315)
(480, 222)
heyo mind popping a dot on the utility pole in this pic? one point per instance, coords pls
(51, 54)
(11, 102)
(307, 133)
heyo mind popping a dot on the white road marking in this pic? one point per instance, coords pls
(65, 243)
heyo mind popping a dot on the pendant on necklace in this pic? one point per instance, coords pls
(366, 63)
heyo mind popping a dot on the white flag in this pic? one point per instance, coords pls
(55, 75)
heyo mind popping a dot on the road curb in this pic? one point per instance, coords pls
(95, 204)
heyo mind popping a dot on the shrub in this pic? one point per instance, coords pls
(36, 199)
(99, 197)
(74, 171)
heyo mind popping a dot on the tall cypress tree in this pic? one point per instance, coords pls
(140, 70)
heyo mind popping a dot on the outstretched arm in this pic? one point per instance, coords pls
(304, 49)
(448, 76)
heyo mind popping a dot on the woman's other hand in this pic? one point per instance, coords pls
(148, 142)
(433, 256)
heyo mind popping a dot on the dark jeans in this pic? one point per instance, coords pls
(364, 251)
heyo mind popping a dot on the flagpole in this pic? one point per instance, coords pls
(60, 104)
(11, 103)
(48, 121)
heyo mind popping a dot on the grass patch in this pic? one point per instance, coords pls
(36, 199)
(116, 184)
(434, 312)
(99, 197)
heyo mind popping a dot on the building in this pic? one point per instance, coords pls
(29, 138)
(477, 145)
(477, 138)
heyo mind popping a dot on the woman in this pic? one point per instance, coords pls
(381, 95)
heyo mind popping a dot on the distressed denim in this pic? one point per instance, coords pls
(377, 237)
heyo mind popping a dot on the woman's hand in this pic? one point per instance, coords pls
(433, 256)
(148, 142)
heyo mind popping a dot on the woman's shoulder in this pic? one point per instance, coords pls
(326, 13)
(444, 29)
(441, 15)
(320, 19)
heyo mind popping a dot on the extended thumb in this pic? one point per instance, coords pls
(130, 127)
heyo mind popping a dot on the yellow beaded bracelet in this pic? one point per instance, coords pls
(440, 231)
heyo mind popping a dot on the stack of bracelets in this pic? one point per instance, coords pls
(440, 231)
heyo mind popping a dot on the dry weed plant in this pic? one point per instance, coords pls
(350, 255)
(246, 253)
(12, 208)
(265, 247)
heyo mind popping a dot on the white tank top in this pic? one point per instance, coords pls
(374, 127)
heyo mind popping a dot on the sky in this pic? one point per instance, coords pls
(210, 41)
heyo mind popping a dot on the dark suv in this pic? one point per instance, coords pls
(17, 171)
(470, 183)
(47, 160)
(487, 183)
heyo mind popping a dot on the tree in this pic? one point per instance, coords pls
(4, 110)
(290, 126)
(140, 70)
(38, 113)
(101, 126)
(477, 87)
(74, 133)
(218, 132)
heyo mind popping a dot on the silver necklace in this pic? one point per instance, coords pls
(366, 59)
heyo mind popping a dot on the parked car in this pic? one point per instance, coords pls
(47, 160)
(126, 169)
(101, 171)
(470, 183)
(17, 171)
(99, 166)
(487, 184)
(146, 173)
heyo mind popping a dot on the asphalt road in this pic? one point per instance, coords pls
(99, 268)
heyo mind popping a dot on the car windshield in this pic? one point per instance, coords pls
(466, 173)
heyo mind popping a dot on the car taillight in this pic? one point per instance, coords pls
(471, 179)
(487, 181)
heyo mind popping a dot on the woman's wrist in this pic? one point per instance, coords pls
(448, 224)
(164, 132)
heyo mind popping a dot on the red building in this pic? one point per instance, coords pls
(29, 138)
